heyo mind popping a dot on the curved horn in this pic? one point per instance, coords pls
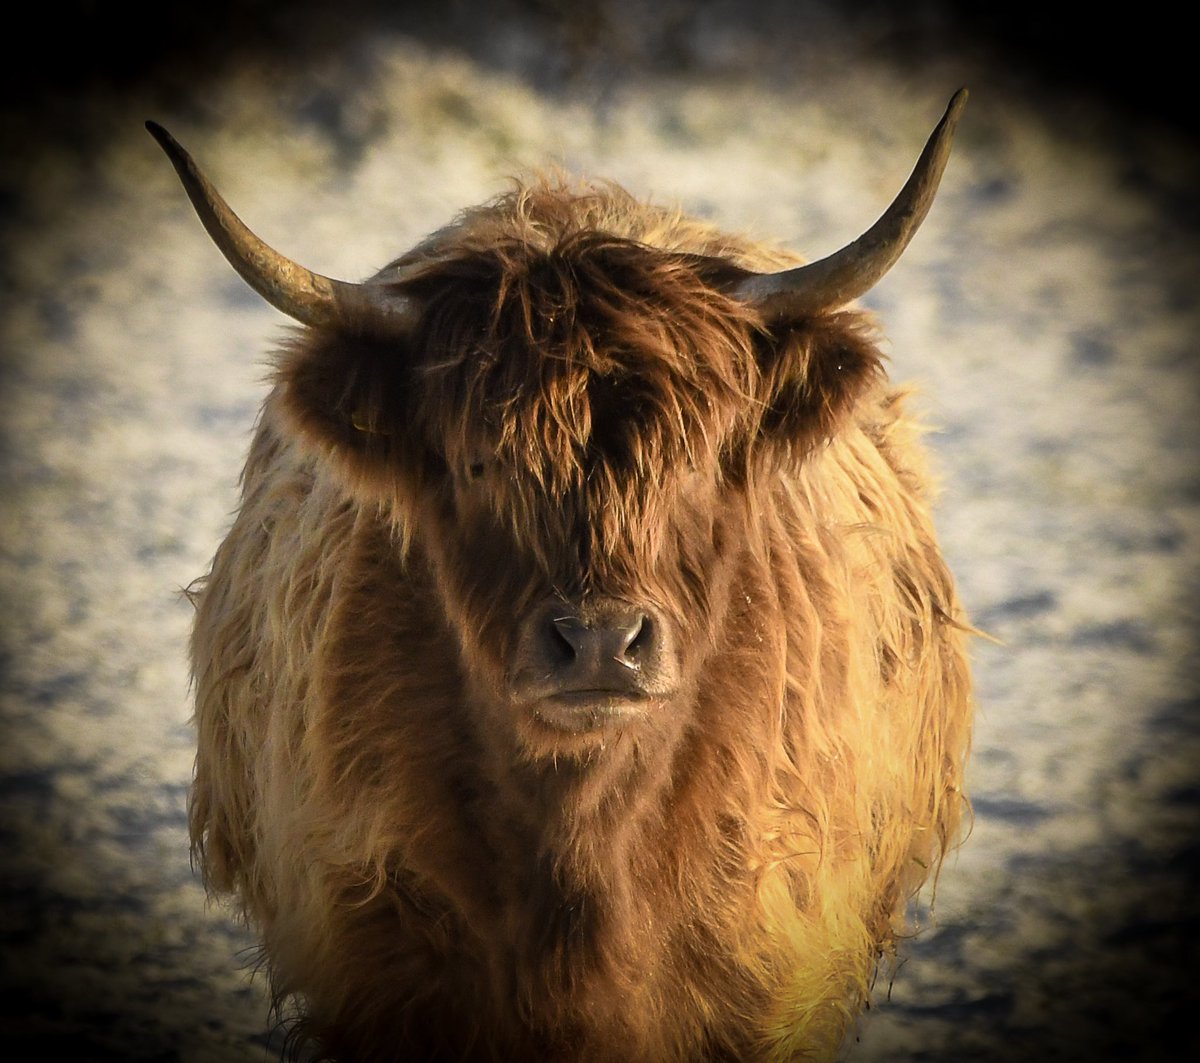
(301, 294)
(846, 274)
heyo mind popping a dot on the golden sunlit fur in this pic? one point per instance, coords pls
(581, 411)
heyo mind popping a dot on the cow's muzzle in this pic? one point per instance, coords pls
(580, 665)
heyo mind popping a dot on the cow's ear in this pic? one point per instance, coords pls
(348, 397)
(813, 373)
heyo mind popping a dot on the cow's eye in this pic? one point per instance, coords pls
(475, 470)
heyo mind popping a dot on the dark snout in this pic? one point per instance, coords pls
(602, 655)
(599, 653)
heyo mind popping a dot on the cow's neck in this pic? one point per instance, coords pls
(579, 818)
(571, 842)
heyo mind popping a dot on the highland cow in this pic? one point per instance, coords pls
(581, 679)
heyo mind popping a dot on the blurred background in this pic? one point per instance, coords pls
(1046, 312)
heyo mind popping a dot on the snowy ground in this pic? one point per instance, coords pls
(1047, 309)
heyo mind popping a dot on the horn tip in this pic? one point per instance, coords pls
(957, 102)
(165, 141)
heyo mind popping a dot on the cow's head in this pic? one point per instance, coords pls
(568, 423)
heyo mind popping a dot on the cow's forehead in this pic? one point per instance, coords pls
(595, 348)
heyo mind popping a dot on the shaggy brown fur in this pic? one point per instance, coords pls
(436, 871)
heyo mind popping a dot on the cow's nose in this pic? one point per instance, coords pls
(577, 662)
(600, 645)
(624, 638)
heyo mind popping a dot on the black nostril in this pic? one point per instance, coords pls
(566, 633)
(640, 637)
